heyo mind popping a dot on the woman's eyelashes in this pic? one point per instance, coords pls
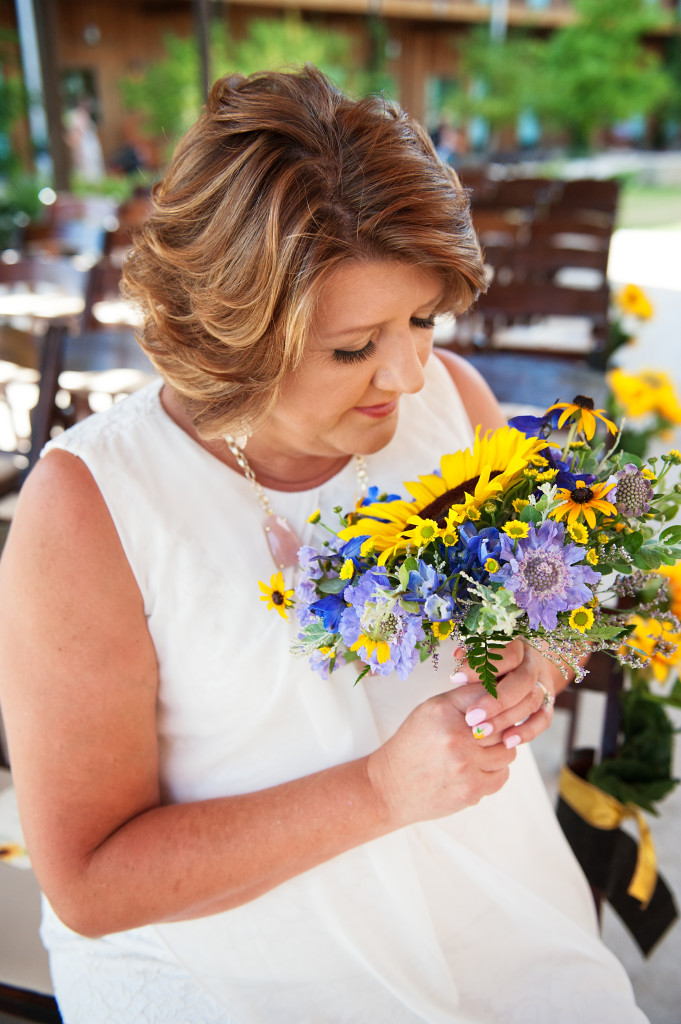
(358, 355)
(341, 355)
(426, 322)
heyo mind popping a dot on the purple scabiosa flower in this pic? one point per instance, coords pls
(306, 594)
(378, 628)
(541, 573)
(308, 557)
(633, 492)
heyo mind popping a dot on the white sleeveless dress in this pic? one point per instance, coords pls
(478, 918)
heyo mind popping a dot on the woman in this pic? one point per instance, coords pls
(221, 835)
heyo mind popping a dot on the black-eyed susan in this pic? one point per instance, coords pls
(646, 392)
(658, 641)
(583, 500)
(468, 480)
(581, 411)
(276, 594)
(581, 619)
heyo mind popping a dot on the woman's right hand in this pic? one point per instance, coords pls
(433, 766)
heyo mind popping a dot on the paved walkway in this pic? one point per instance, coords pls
(651, 259)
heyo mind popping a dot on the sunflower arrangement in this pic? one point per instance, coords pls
(533, 532)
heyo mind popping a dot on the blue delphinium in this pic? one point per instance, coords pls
(540, 571)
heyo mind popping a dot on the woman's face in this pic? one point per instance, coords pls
(371, 337)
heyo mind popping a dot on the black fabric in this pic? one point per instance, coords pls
(608, 859)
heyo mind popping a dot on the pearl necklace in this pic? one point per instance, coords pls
(282, 539)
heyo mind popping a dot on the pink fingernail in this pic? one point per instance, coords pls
(475, 716)
(512, 741)
(458, 679)
(459, 653)
(483, 730)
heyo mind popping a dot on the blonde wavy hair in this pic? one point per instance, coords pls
(280, 181)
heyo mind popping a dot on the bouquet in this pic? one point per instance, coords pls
(535, 532)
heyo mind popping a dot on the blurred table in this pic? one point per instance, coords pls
(538, 380)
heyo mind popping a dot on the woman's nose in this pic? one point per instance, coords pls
(402, 371)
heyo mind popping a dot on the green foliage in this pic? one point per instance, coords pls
(641, 772)
(168, 92)
(482, 652)
(599, 69)
(498, 80)
(584, 76)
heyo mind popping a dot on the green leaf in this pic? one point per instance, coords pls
(530, 514)
(631, 542)
(473, 617)
(362, 674)
(413, 607)
(672, 535)
(335, 585)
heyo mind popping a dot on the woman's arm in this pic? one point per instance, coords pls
(79, 684)
(477, 396)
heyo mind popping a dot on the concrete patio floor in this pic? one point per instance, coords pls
(651, 259)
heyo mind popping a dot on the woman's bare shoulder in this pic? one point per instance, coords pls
(477, 396)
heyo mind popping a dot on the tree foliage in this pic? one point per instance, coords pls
(168, 91)
(600, 71)
(586, 75)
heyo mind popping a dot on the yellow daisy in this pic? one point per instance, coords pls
(516, 529)
(582, 500)
(633, 301)
(581, 619)
(424, 530)
(579, 533)
(381, 647)
(582, 409)
(276, 594)
(647, 392)
(347, 569)
(673, 576)
(442, 629)
(659, 642)
(468, 480)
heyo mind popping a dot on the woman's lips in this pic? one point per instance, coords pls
(377, 412)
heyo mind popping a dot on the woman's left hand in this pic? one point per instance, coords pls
(527, 686)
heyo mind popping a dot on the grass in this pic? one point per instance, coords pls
(648, 206)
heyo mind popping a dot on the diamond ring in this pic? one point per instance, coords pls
(547, 699)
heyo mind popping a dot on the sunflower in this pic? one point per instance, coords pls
(633, 301)
(276, 594)
(582, 409)
(469, 479)
(583, 499)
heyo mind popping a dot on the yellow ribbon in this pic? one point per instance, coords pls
(601, 810)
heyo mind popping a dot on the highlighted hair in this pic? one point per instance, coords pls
(280, 181)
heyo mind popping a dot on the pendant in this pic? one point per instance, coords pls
(282, 540)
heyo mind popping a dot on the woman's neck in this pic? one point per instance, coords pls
(275, 467)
